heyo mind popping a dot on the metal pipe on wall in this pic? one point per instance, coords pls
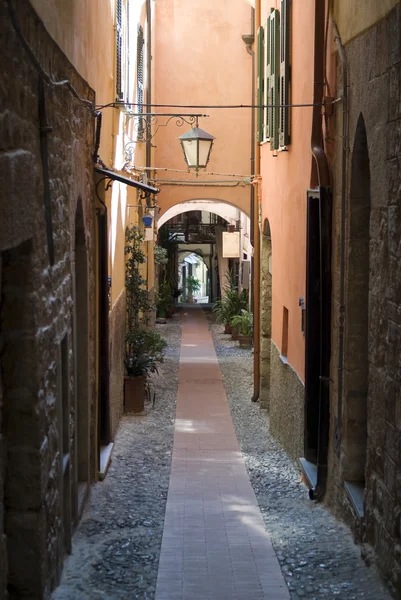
(256, 232)
(321, 177)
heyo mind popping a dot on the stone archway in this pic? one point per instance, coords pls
(81, 357)
(265, 314)
(356, 372)
(223, 214)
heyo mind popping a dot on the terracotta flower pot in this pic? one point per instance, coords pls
(134, 394)
(234, 333)
(227, 328)
(245, 341)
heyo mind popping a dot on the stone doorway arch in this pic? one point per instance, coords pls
(356, 364)
(81, 313)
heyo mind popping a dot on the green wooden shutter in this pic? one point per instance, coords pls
(274, 79)
(285, 73)
(119, 50)
(139, 70)
(260, 82)
(266, 134)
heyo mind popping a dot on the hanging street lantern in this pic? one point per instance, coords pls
(197, 145)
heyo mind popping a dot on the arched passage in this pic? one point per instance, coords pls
(226, 211)
(265, 314)
(356, 374)
(201, 225)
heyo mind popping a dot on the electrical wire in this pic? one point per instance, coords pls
(240, 175)
(95, 108)
(45, 76)
(215, 106)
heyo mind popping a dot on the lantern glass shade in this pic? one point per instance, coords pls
(197, 145)
(147, 220)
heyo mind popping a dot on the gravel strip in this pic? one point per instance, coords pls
(316, 552)
(117, 545)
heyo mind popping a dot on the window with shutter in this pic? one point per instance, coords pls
(119, 50)
(285, 74)
(139, 70)
(139, 79)
(260, 83)
(267, 73)
(274, 80)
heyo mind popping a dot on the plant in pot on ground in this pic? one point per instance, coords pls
(193, 286)
(230, 304)
(143, 346)
(243, 323)
(164, 300)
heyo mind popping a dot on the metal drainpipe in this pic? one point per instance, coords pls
(149, 73)
(323, 181)
(249, 40)
(344, 67)
(256, 247)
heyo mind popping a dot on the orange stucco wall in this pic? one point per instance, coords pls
(285, 180)
(201, 59)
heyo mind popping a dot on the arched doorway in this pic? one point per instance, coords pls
(265, 314)
(20, 420)
(192, 264)
(199, 226)
(81, 357)
(356, 364)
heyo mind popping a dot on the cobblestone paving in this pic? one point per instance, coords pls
(316, 552)
(116, 548)
(117, 545)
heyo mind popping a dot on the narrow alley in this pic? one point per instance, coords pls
(229, 532)
(200, 300)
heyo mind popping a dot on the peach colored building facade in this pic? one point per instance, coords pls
(286, 176)
(201, 59)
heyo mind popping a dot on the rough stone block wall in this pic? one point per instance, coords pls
(3, 546)
(375, 93)
(37, 299)
(286, 405)
(116, 354)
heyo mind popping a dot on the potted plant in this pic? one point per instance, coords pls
(221, 313)
(143, 346)
(193, 285)
(137, 369)
(230, 304)
(164, 300)
(244, 325)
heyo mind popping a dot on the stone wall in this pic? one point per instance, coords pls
(116, 354)
(370, 419)
(37, 305)
(286, 405)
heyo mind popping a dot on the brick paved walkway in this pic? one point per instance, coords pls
(214, 542)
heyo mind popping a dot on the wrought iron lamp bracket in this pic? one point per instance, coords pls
(146, 126)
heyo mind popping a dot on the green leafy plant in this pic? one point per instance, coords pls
(135, 366)
(243, 323)
(193, 285)
(231, 303)
(161, 255)
(143, 346)
(139, 305)
(164, 297)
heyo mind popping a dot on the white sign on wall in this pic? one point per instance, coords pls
(231, 244)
